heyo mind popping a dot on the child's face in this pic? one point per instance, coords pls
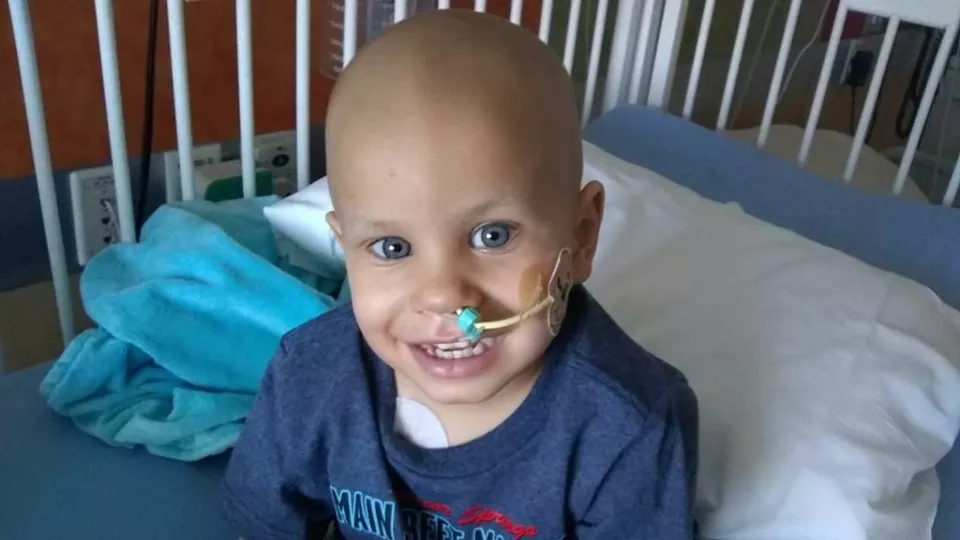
(432, 220)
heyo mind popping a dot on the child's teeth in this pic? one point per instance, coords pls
(449, 351)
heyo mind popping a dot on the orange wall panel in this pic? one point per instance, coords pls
(70, 76)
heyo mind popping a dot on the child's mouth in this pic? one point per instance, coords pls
(457, 359)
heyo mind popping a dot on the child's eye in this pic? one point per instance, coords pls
(491, 235)
(390, 248)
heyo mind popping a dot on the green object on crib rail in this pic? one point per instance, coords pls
(232, 188)
(220, 182)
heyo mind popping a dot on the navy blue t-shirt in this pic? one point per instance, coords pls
(604, 447)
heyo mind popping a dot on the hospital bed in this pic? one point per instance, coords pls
(57, 482)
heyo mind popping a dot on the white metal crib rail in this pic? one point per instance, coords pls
(637, 69)
(937, 14)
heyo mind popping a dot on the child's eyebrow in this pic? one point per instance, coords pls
(490, 206)
(368, 227)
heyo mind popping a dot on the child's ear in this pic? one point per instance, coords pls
(587, 232)
(334, 224)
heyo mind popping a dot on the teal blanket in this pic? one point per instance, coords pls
(187, 321)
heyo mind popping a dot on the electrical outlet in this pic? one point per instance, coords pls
(277, 153)
(202, 155)
(93, 200)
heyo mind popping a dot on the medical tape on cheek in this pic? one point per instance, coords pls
(554, 301)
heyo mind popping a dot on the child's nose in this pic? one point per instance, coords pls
(444, 291)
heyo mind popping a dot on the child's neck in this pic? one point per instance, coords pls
(466, 422)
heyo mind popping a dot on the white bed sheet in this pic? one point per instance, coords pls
(828, 157)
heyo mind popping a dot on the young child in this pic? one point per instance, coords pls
(454, 160)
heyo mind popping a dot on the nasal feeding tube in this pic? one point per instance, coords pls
(468, 319)
(558, 290)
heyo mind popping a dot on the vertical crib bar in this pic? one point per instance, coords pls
(516, 10)
(923, 111)
(245, 75)
(778, 72)
(700, 52)
(953, 187)
(625, 27)
(546, 17)
(350, 8)
(399, 10)
(39, 147)
(873, 93)
(570, 46)
(114, 105)
(593, 67)
(640, 55)
(821, 92)
(672, 19)
(171, 175)
(731, 85)
(181, 97)
(303, 92)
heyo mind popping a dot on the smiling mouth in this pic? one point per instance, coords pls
(458, 349)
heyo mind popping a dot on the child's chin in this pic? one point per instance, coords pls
(473, 393)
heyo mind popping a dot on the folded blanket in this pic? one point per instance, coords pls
(187, 321)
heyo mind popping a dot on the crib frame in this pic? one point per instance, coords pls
(641, 69)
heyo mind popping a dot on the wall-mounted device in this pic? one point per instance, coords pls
(207, 154)
(277, 153)
(93, 201)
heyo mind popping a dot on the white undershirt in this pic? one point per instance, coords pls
(417, 423)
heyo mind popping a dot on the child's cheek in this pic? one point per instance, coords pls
(532, 285)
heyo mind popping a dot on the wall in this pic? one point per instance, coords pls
(726, 18)
(797, 99)
(65, 34)
(67, 53)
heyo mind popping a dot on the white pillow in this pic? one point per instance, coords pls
(303, 236)
(828, 389)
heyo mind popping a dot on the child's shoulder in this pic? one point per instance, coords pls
(615, 374)
(323, 351)
(327, 334)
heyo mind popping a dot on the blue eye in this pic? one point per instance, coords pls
(390, 248)
(491, 235)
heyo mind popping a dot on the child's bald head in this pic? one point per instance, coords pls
(460, 82)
